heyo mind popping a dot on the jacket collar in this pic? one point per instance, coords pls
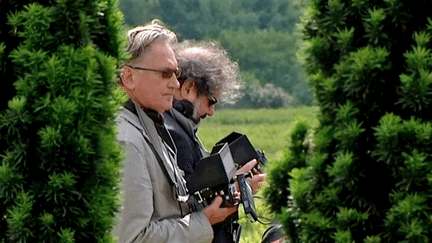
(189, 127)
(146, 126)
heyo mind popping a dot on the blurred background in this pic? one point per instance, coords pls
(259, 34)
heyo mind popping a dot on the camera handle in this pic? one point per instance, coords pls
(247, 198)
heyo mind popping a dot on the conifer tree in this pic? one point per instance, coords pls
(366, 176)
(60, 164)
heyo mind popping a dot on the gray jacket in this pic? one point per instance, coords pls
(150, 211)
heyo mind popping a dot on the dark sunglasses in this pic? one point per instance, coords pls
(212, 100)
(166, 73)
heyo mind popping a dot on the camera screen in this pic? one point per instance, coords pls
(228, 163)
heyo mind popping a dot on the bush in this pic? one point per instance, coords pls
(367, 175)
(60, 167)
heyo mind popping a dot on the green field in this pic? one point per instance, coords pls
(268, 130)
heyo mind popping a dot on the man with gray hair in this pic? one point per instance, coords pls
(208, 75)
(155, 207)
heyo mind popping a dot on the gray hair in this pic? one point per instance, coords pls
(140, 38)
(210, 67)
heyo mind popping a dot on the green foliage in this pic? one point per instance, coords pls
(2, 51)
(19, 220)
(8, 42)
(66, 235)
(374, 26)
(407, 219)
(276, 192)
(60, 166)
(343, 236)
(350, 217)
(372, 239)
(341, 167)
(416, 90)
(367, 176)
(194, 19)
(270, 54)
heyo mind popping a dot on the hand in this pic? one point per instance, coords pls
(215, 213)
(257, 180)
(247, 167)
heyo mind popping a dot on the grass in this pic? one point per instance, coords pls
(268, 130)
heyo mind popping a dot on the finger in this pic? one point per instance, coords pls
(237, 196)
(256, 171)
(229, 210)
(259, 178)
(217, 201)
(248, 166)
(257, 182)
(232, 210)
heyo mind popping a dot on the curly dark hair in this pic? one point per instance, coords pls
(210, 67)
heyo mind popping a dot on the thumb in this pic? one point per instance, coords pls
(217, 201)
(248, 166)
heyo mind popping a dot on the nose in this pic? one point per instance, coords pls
(173, 82)
(211, 110)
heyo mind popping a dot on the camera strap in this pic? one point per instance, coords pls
(175, 184)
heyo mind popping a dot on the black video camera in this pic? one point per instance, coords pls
(242, 149)
(216, 174)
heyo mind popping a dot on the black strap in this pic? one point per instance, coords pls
(163, 133)
(131, 107)
(158, 121)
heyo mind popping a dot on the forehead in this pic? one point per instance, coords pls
(160, 55)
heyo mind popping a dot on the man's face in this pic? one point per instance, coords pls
(204, 106)
(151, 89)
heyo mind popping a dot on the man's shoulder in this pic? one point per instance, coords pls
(129, 127)
(183, 141)
(170, 121)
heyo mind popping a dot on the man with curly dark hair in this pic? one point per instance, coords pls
(208, 75)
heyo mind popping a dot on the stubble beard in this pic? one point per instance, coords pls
(196, 117)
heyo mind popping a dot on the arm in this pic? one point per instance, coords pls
(139, 208)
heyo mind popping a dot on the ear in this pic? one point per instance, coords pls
(188, 91)
(127, 76)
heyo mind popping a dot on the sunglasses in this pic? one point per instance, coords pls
(212, 100)
(166, 73)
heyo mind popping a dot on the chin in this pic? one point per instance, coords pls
(165, 108)
(163, 105)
